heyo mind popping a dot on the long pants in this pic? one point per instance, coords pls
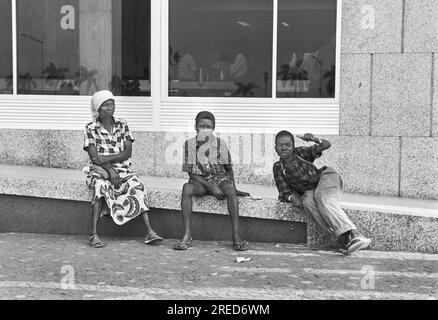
(322, 204)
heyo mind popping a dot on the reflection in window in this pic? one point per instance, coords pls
(5, 47)
(220, 48)
(77, 47)
(306, 48)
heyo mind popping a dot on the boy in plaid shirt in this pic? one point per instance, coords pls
(321, 189)
(208, 163)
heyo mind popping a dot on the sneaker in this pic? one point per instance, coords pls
(358, 243)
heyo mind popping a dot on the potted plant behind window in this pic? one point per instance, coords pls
(86, 80)
(9, 83)
(292, 78)
(25, 83)
(331, 84)
(54, 77)
(130, 87)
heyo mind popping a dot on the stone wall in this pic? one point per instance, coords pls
(389, 96)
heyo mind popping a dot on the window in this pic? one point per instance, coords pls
(306, 52)
(5, 47)
(223, 48)
(220, 48)
(77, 47)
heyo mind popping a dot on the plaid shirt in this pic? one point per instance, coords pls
(299, 174)
(211, 160)
(109, 143)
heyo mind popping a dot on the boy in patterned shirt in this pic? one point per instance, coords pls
(321, 189)
(208, 163)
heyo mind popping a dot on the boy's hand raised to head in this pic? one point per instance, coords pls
(321, 143)
(307, 137)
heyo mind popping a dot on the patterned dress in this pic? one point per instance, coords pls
(130, 199)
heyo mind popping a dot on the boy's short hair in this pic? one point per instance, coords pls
(205, 115)
(285, 133)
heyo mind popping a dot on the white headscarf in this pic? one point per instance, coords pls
(97, 100)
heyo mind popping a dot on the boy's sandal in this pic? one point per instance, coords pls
(240, 246)
(94, 241)
(183, 245)
(155, 238)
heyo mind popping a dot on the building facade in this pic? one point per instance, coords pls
(344, 70)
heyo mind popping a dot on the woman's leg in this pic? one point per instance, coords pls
(147, 224)
(96, 209)
(190, 189)
(229, 191)
(151, 236)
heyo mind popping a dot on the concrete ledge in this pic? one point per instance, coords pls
(393, 223)
(367, 164)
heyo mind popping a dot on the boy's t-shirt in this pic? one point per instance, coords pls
(299, 174)
(210, 158)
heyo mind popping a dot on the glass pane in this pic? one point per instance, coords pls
(5, 47)
(220, 48)
(306, 48)
(77, 47)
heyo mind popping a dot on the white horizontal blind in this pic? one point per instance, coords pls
(254, 117)
(67, 113)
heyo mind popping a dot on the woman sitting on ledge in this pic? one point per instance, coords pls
(117, 190)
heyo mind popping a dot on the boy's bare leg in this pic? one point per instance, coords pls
(190, 189)
(229, 191)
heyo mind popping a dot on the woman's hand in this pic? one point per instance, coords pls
(115, 178)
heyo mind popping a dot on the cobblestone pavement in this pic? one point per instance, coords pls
(34, 266)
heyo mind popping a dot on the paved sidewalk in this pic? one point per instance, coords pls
(35, 266)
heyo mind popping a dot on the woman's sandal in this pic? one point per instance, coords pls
(183, 245)
(155, 238)
(240, 246)
(94, 241)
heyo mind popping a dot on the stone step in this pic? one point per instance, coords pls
(392, 223)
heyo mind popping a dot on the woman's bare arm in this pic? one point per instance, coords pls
(114, 175)
(120, 157)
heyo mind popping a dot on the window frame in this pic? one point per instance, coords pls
(258, 100)
(135, 105)
(154, 106)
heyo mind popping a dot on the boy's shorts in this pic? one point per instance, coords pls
(216, 180)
